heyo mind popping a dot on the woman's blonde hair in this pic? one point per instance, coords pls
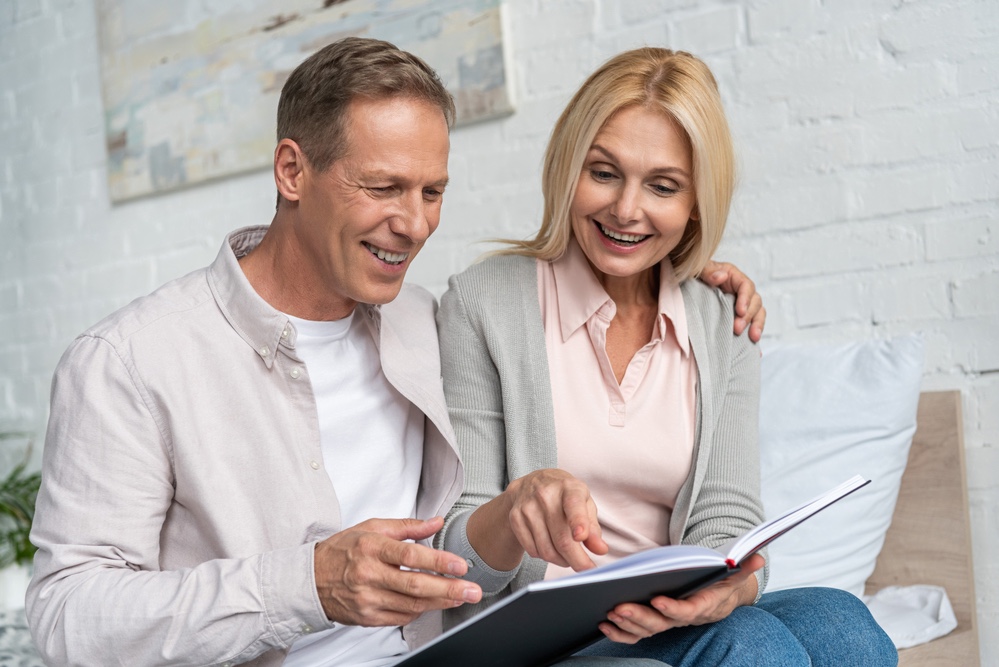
(679, 85)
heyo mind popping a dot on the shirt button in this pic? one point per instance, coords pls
(295, 372)
(469, 563)
(315, 465)
(264, 351)
(284, 334)
(306, 629)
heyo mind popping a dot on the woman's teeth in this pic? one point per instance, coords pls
(624, 238)
(385, 256)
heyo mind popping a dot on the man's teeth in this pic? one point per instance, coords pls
(385, 256)
(627, 238)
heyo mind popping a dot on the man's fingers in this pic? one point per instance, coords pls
(393, 608)
(746, 290)
(404, 529)
(754, 307)
(423, 589)
(413, 556)
(759, 320)
(714, 273)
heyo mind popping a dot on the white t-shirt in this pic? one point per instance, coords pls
(372, 444)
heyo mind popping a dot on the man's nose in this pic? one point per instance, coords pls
(412, 219)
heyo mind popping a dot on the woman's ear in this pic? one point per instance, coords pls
(289, 169)
(695, 214)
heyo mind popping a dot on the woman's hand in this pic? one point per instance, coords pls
(748, 303)
(632, 622)
(547, 513)
(554, 517)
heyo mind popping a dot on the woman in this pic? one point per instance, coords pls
(584, 370)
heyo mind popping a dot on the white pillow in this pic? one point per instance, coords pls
(828, 412)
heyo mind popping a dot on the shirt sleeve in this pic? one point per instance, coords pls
(98, 595)
(475, 405)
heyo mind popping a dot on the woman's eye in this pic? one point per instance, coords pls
(661, 189)
(601, 175)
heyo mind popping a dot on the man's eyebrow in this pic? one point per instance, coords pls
(384, 174)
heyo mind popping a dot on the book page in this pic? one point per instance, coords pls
(740, 548)
(660, 559)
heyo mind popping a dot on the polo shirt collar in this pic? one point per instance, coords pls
(580, 295)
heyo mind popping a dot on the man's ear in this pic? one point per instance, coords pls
(289, 169)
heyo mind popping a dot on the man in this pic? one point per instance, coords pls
(217, 449)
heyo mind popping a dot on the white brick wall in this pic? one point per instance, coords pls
(868, 135)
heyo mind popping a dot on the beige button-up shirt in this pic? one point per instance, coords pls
(183, 486)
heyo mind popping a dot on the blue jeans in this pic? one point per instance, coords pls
(822, 627)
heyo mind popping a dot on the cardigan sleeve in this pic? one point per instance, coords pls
(475, 405)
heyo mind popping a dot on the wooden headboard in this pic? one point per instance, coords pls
(929, 541)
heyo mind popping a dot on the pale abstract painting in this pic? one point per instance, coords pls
(191, 86)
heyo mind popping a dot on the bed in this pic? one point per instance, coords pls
(929, 540)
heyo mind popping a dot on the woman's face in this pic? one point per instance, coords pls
(635, 193)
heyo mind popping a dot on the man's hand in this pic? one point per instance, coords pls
(360, 579)
(629, 623)
(748, 304)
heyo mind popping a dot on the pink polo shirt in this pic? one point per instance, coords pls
(631, 443)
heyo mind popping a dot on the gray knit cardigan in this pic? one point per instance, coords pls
(495, 372)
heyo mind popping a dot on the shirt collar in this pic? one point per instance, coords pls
(580, 296)
(671, 306)
(259, 324)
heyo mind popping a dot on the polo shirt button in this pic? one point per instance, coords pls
(315, 465)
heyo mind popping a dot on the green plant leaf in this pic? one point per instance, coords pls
(18, 491)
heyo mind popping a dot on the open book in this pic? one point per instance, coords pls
(550, 620)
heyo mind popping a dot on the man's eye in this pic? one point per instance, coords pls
(432, 194)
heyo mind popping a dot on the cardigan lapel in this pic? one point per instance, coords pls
(704, 431)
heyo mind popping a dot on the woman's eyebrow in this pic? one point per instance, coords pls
(659, 170)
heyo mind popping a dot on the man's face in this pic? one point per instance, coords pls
(363, 220)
